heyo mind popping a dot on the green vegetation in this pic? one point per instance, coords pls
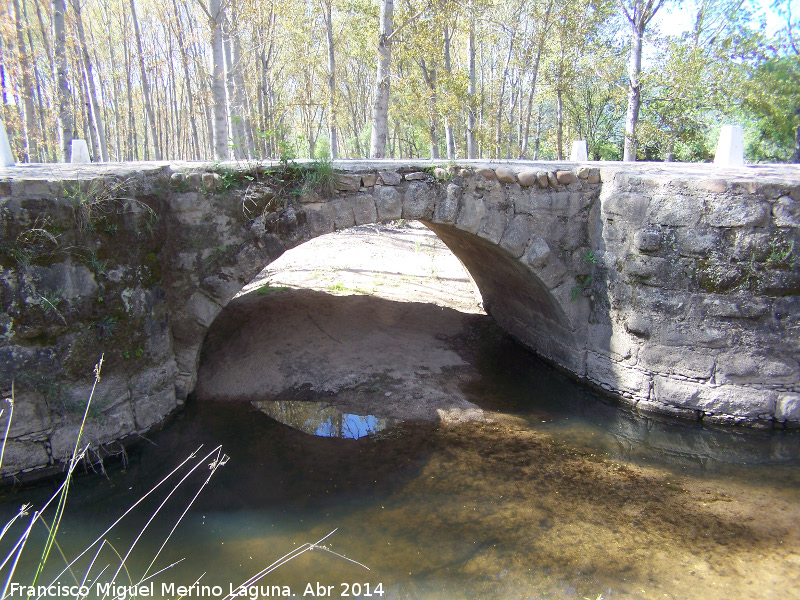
(269, 289)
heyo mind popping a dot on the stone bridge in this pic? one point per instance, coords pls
(675, 288)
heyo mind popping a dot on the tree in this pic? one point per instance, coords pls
(380, 113)
(639, 14)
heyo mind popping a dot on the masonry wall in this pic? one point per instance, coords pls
(673, 289)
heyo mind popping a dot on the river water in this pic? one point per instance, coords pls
(560, 495)
(555, 492)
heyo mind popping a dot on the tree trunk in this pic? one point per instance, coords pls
(221, 149)
(29, 124)
(634, 93)
(145, 85)
(471, 148)
(448, 128)
(97, 119)
(380, 113)
(188, 82)
(499, 130)
(559, 125)
(332, 136)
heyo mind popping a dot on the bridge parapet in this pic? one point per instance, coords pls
(674, 287)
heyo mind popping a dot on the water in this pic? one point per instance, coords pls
(559, 495)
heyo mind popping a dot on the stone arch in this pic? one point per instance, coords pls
(516, 241)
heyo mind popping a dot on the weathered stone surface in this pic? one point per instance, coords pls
(786, 212)
(787, 407)
(369, 179)
(418, 202)
(683, 362)
(737, 211)
(565, 177)
(389, 178)
(582, 172)
(419, 176)
(24, 455)
(601, 369)
(485, 172)
(725, 399)
(505, 175)
(388, 202)
(348, 183)
(527, 178)
(594, 176)
(543, 179)
(364, 209)
(343, 213)
(446, 209)
(517, 235)
(538, 252)
(648, 240)
(738, 367)
(471, 213)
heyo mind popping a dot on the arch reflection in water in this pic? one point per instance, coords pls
(323, 420)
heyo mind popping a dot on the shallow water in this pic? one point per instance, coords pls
(560, 495)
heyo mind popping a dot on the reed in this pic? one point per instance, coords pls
(101, 561)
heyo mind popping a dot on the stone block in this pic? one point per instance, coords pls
(736, 211)
(649, 406)
(543, 179)
(698, 242)
(418, 202)
(446, 209)
(579, 152)
(369, 179)
(505, 175)
(537, 253)
(79, 152)
(582, 172)
(648, 239)
(675, 210)
(780, 283)
(320, 219)
(343, 213)
(202, 308)
(31, 416)
(695, 335)
(517, 235)
(471, 213)
(742, 366)
(24, 455)
(440, 173)
(151, 409)
(594, 176)
(418, 176)
(715, 305)
(389, 178)
(685, 363)
(364, 210)
(493, 226)
(787, 407)
(602, 370)
(786, 212)
(731, 400)
(346, 182)
(565, 177)
(485, 172)
(527, 178)
(388, 202)
(730, 147)
(552, 180)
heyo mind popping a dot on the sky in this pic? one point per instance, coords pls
(676, 17)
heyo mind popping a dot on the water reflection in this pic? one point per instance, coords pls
(323, 420)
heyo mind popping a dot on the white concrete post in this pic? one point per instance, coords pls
(579, 152)
(80, 152)
(730, 147)
(6, 155)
